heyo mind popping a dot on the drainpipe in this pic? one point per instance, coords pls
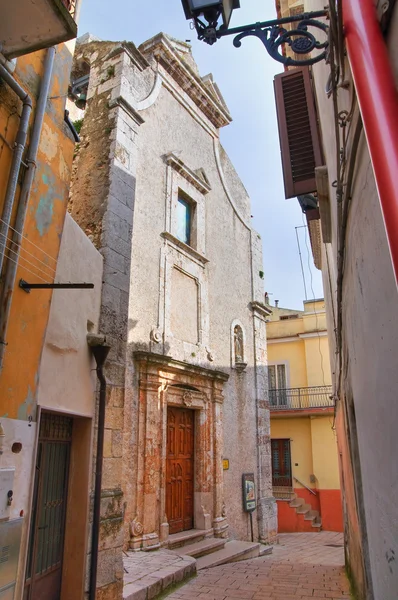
(20, 142)
(11, 268)
(378, 103)
(100, 350)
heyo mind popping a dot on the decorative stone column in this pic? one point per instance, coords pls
(220, 523)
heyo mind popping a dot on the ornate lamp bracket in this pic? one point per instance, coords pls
(274, 36)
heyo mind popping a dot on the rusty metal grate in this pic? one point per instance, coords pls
(55, 427)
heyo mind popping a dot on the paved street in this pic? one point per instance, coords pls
(303, 566)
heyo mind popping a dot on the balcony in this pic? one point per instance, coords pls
(29, 25)
(301, 399)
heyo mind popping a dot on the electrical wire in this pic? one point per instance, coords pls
(313, 296)
(25, 268)
(21, 257)
(28, 240)
(9, 247)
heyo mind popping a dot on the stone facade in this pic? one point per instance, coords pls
(150, 135)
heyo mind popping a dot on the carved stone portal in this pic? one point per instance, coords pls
(166, 384)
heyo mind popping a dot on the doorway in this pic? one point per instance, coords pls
(47, 530)
(281, 463)
(180, 469)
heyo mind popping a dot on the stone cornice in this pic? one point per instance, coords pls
(133, 53)
(181, 168)
(261, 309)
(126, 106)
(161, 48)
(177, 366)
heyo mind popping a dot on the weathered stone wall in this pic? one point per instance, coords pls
(102, 201)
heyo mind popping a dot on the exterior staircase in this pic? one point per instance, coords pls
(311, 518)
(211, 552)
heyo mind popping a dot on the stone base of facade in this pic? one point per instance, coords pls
(220, 527)
(267, 516)
(148, 541)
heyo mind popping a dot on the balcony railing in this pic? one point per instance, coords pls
(71, 6)
(301, 398)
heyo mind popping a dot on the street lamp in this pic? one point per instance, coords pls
(206, 17)
(211, 10)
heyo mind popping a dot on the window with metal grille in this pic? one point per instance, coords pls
(298, 131)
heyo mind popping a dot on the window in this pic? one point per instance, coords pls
(287, 317)
(277, 385)
(184, 220)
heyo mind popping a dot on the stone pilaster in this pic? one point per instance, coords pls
(266, 504)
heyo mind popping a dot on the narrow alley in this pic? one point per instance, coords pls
(302, 565)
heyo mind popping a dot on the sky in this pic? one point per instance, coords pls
(245, 78)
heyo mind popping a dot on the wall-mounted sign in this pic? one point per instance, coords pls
(225, 464)
(249, 492)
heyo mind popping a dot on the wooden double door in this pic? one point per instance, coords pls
(180, 469)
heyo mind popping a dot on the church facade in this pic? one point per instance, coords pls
(182, 301)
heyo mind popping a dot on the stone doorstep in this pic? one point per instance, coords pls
(206, 546)
(150, 586)
(232, 552)
(177, 540)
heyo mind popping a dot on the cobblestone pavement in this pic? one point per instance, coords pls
(303, 566)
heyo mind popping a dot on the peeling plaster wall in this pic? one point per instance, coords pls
(43, 227)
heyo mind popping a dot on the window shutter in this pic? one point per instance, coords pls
(298, 131)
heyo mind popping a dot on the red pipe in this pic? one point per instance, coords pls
(378, 103)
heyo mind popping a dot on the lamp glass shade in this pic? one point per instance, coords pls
(200, 5)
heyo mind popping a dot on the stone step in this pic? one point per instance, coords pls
(317, 523)
(296, 502)
(232, 552)
(311, 515)
(265, 550)
(303, 509)
(201, 548)
(186, 538)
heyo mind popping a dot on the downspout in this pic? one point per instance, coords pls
(12, 266)
(20, 142)
(100, 351)
(378, 103)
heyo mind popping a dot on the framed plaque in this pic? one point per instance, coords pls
(249, 492)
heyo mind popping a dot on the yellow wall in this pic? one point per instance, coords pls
(299, 432)
(317, 361)
(307, 358)
(43, 227)
(325, 453)
(294, 354)
(313, 449)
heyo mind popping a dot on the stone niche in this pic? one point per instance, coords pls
(165, 383)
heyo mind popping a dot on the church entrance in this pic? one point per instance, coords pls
(180, 469)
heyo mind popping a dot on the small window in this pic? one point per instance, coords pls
(184, 220)
(287, 317)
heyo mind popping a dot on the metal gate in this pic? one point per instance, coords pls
(46, 542)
